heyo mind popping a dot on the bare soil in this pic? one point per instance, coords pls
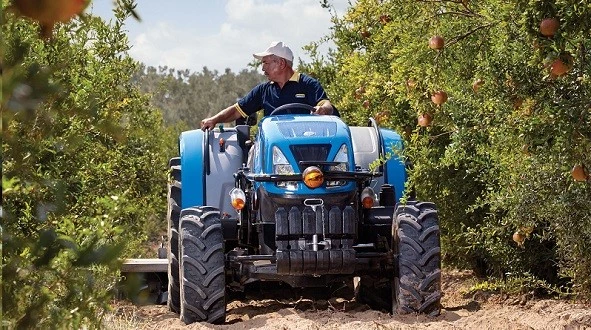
(283, 309)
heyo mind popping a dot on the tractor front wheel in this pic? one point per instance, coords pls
(416, 286)
(203, 277)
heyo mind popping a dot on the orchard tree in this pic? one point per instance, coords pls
(84, 164)
(493, 99)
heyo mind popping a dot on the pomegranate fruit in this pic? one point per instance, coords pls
(359, 92)
(382, 117)
(518, 238)
(439, 97)
(50, 11)
(579, 173)
(558, 67)
(436, 42)
(549, 26)
(425, 120)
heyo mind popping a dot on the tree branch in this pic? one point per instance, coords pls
(459, 13)
(467, 34)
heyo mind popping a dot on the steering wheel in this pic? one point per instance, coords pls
(293, 108)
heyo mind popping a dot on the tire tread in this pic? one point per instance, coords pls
(417, 287)
(202, 266)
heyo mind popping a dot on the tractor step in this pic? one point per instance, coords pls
(145, 266)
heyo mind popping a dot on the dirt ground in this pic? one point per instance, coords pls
(460, 311)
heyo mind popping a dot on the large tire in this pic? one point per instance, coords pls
(173, 216)
(203, 286)
(417, 281)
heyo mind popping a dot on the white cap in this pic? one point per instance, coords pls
(276, 48)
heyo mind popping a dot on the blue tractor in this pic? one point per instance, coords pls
(311, 202)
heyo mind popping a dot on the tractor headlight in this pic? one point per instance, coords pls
(282, 166)
(342, 157)
(280, 163)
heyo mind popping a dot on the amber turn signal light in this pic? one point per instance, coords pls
(237, 198)
(368, 198)
(313, 177)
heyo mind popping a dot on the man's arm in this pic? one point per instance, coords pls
(225, 116)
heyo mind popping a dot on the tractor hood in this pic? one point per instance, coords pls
(304, 138)
(303, 127)
(288, 144)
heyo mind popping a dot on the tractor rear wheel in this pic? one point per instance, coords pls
(203, 277)
(416, 286)
(173, 216)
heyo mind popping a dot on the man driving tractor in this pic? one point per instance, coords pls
(285, 86)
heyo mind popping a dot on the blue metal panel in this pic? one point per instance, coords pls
(394, 170)
(192, 168)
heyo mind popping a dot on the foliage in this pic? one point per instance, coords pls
(523, 284)
(84, 169)
(497, 157)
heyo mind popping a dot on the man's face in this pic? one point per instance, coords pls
(272, 67)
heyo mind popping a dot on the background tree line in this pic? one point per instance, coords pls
(188, 97)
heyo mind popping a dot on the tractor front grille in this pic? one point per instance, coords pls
(310, 153)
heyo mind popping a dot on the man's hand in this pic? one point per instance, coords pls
(325, 109)
(225, 116)
(208, 123)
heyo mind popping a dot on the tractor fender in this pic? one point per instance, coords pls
(209, 160)
(366, 150)
(192, 176)
(395, 168)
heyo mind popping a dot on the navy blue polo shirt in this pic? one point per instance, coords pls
(300, 88)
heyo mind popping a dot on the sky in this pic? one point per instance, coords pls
(220, 34)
